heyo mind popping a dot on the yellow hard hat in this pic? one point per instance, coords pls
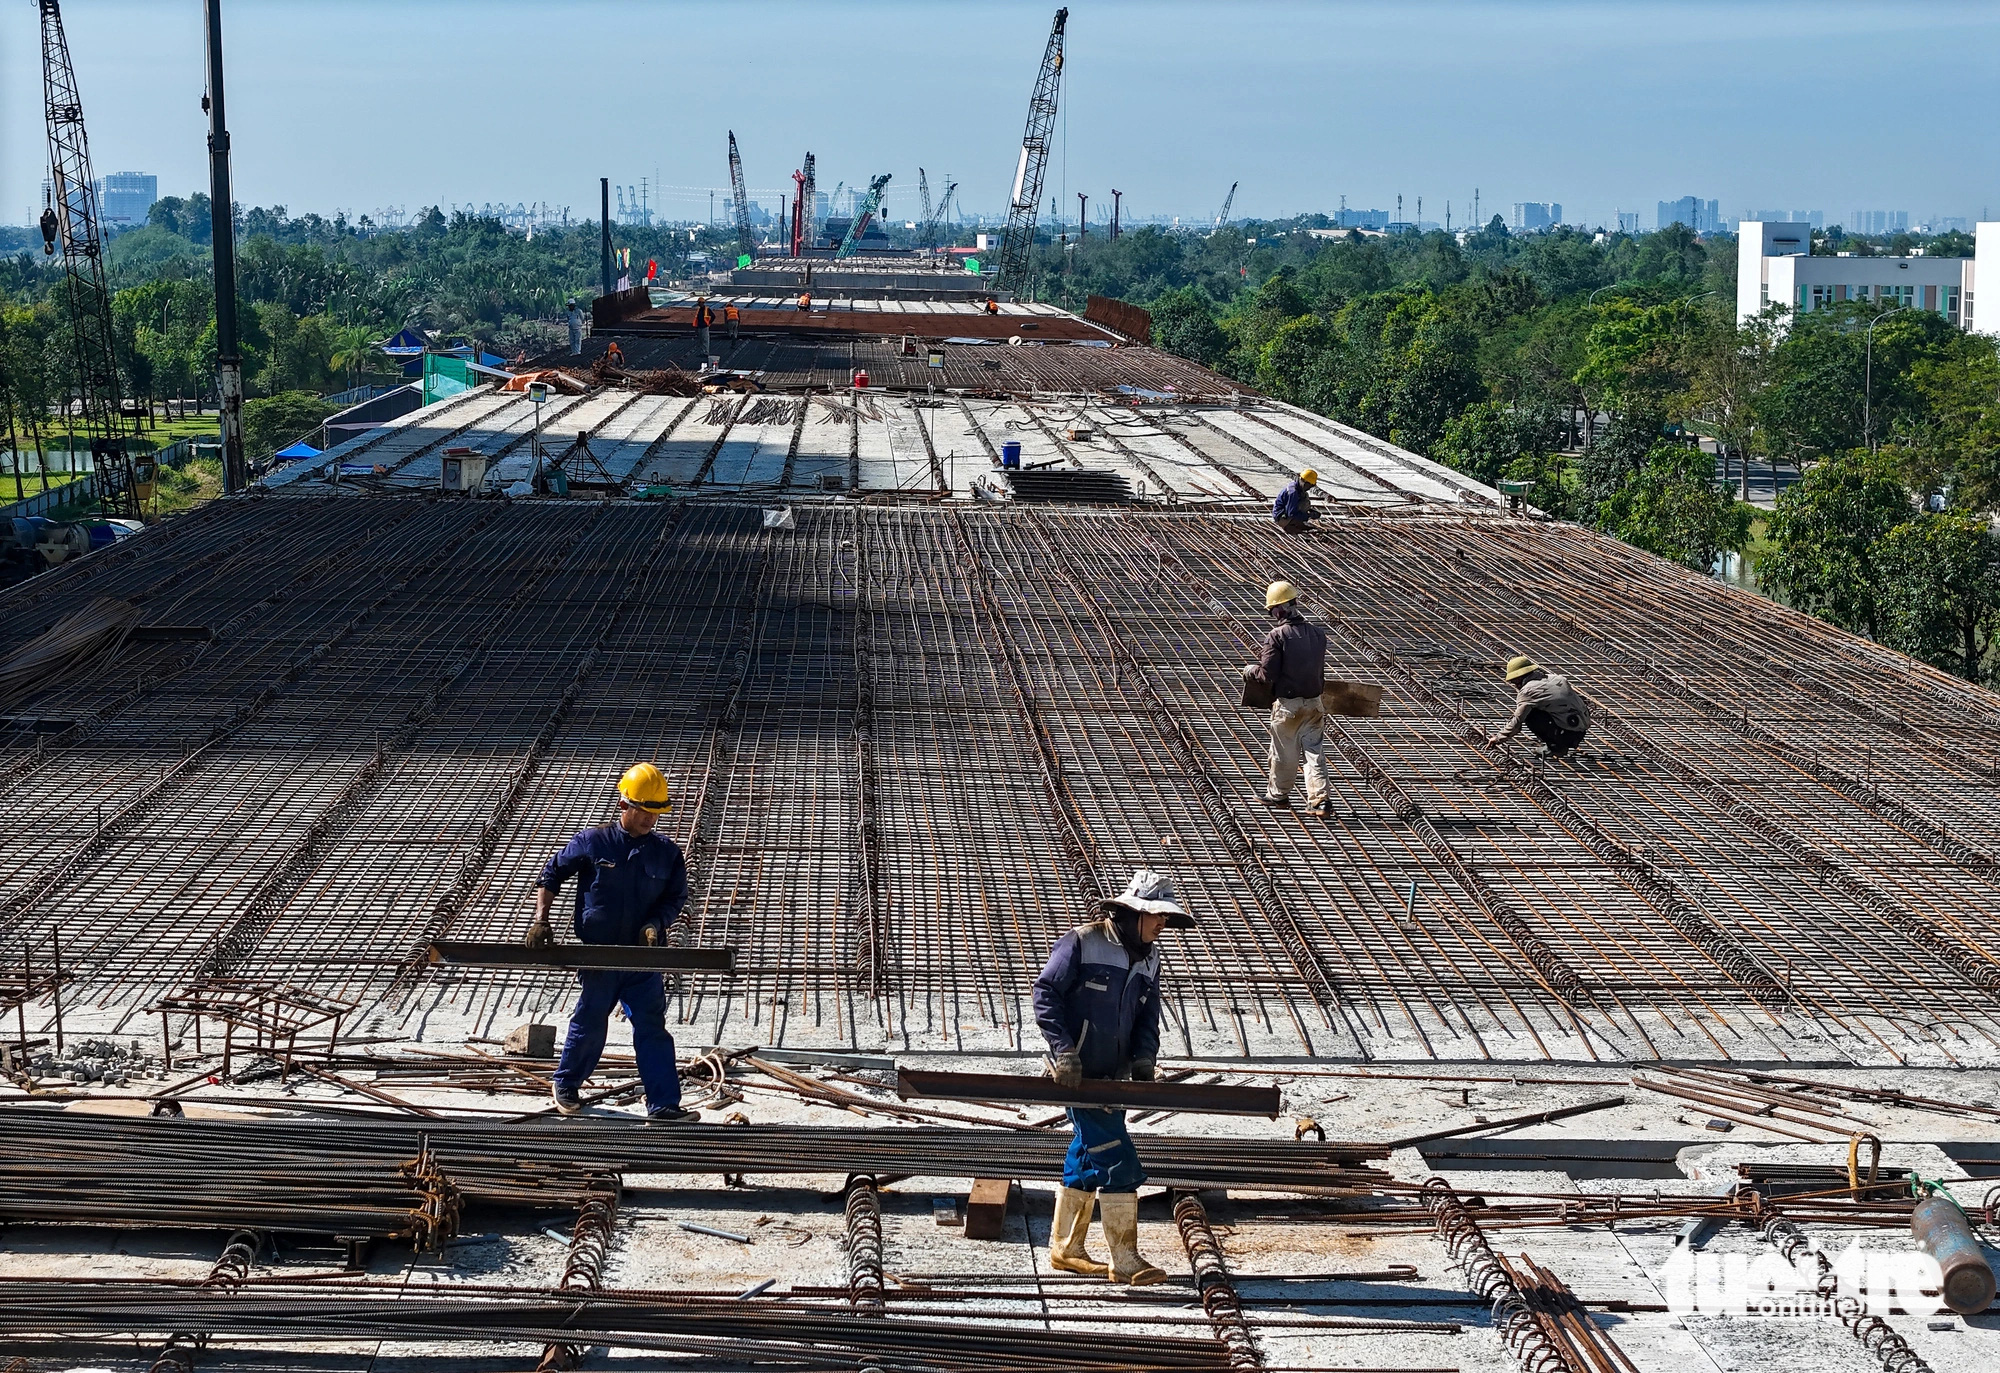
(644, 786)
(1519, 667)
(1279, 593)
(1309, 477)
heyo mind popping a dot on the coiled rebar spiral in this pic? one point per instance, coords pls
(1211, 1276)
(864, 1245)
(589, 1246)
(231, 1271)
(1467, 1245)
(1891, 1350)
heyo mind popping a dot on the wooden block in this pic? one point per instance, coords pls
(986, 1208)
(1257, 693)
(1351, 698)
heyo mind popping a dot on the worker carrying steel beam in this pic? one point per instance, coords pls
(630, 885)
(1294, 504)
(1548, 705)
(1292, 666)
(1098, 1005)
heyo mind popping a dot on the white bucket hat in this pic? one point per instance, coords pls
(1150, 893)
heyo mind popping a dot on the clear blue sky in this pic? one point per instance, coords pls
(357, 104)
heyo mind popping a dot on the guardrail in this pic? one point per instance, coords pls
(83, 489)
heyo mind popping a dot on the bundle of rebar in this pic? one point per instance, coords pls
(746, 1331)
(92, 635)
(407, 1178)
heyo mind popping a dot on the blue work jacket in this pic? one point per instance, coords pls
(623, 883)
(1293, 503)
(1092, 998)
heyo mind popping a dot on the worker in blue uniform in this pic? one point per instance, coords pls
(1294, 505)
(630, 885)
(1098, 1005)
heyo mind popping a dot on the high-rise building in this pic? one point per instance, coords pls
(1879, 222)
(1533, 215)
(1702, 216)
(1628, 221)
(1815, 218)
(124, 197)
(1345, 218)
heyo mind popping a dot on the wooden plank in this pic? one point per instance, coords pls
(986, 1208)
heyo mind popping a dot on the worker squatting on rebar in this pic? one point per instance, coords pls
(1294, 505)
(1547, 704)
(1292, 666)
(1098, 1005)
(630, 885)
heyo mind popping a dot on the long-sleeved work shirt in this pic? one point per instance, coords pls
(1094, 1000)
(1554, 695)
(624, 883)
(703, 315)
(1293, 659)
(1294, 502)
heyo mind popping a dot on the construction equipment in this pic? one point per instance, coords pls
(924, 193)
(863, 214)
(808, 204)
(745, 242)
(222, 237)
(1018, 245)
(1222, 215)
(86, 293)
(798, 207)
(1117, 198)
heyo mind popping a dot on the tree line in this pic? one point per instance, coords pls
(1587, 366)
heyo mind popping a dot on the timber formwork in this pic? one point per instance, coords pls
(909, 746)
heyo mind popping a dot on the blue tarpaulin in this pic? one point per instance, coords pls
(408, 343)
(296, 452)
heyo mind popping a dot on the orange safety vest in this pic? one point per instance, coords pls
(805, 302)
(729, 313)
(992, 307)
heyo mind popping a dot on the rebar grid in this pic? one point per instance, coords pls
(909, 747)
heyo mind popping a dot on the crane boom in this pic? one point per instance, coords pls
(934, 215)
(745, 242)
(809, 198)
(1222, 215)
(74, 221)
(924, 190)
(863, 212)
(1018, 244)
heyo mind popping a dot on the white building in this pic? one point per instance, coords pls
(1774, 265)
(1533, 216)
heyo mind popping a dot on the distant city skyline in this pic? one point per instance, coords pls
(1602, 109)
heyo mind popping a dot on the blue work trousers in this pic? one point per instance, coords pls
(1102, 1157)
(645, 999)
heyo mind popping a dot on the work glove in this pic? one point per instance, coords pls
(1144, 1070)
(1249, 670)
(650, 935)
(540, 936)
(1067, 1070)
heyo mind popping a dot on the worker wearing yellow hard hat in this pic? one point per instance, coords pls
(1294, 507)
(1546, 705)
(631, 884)
(1292, 666)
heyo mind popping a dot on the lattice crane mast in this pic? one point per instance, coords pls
(927, 234)
(1017, 246)
(745, 242)
(863, 212)
(809, 200)
(1222, 215)
(70, 224)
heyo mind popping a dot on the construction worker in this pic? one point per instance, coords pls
(734, 317)
(1293, 665)
(1546, 703)
(1098, 1005)
(992, 306)
(805, 300)
(703, 317)
(575, 329)
(614, 355)
(630, 885)
(1294, 504)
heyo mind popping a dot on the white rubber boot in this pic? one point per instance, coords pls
(1068, 1232)
(1120, 1213)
